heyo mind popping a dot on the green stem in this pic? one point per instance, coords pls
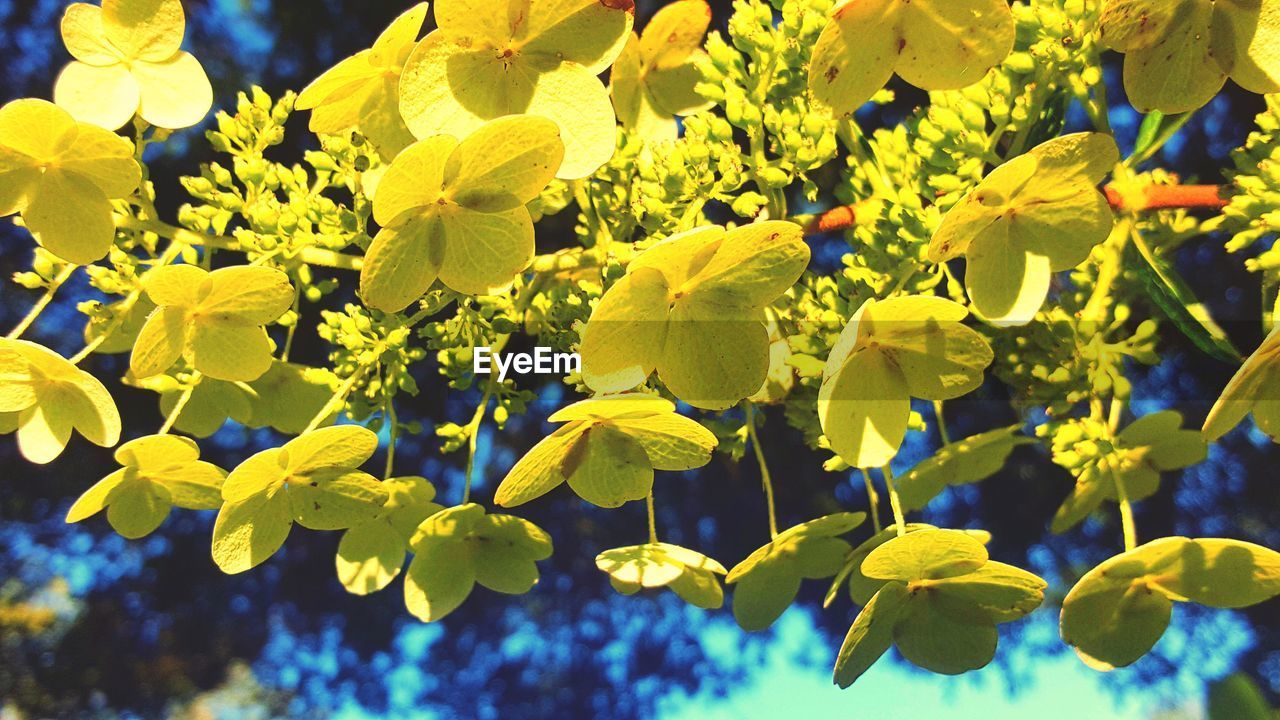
(942, 423)
(310, 255)
(653, 521)
(393, 434)
(1126, 512)
(873, 498)
(473, 433)
(1110, 269)
(765, 479)
(336, 400)
(181, 405)
(43, 302)
(894, 501)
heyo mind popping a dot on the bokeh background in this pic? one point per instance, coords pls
(93, 626)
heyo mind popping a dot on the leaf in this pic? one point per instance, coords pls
(137, 508)
(1117, 612)
(714, 355)
(370, 555)
(246, 533)
(402, 263)
(607, 468)
(864, 407)
(752, 265)
(213, 320)
(871, 634)
(484, 252)
(932, 44)
(336, 503)
(1246, 392)
(144, 29)
(691, 575)
(337, 447)
(67, 399)
(437, 582)
(1237, 697)
(768, 580)
(1037, 214)
(540, 470)
(1178, 302)
(457, 547)
(925, 555)
(966, 461)
(930, 637)
(462, 75)
(1170, 65)
(623, 341)
(671, 442)
(615, 407)
(504, 164)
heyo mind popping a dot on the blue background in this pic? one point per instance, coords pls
(152, 629)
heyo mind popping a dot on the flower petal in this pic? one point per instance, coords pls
(71, 218)
(484, 252)
(175, 93)
(159, 344)
(104, 95)
(37, 128)
(144, 29)
(228, 351)
(402, 263)
(85, 37)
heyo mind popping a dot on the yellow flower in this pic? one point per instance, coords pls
(531, 57)
(61, 175)
(455, 211)
(653, 79)
(213, 320)
(363, 91)
(128, 61)
(44, 398)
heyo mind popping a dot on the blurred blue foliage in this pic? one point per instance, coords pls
(137, 625)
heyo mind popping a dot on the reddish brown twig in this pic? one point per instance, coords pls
(1151, 197)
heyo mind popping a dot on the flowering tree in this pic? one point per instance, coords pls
(982, 237)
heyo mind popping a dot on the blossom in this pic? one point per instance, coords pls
(44, 398)
(128, 61)
(61, 175)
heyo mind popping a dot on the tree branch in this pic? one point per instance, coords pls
(1150, 197)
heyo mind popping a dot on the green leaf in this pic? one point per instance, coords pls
(925, 555)
(932, 44)
(504, 164)
(931, 636)
(1037, 214)
(458, 547)
(966, 461)
(671, 442)
(871, 634)
(768, 579)
(1176, 301)
(138, 507)
(540, 470)
(370, 555)
(336, 503)
(1117, 612)
(1247, 392)
(246, 533)
(1238, 697)
(623, 342)
(691, 575)
(864, 405)
(606, 467)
